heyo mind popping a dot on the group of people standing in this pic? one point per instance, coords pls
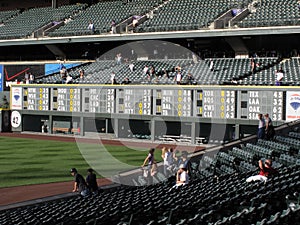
(180, 167)
(265, 127)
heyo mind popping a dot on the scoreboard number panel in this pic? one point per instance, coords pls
(254, 102)
(36, 98)
(173, 102)
(99, 100)
(135, 101)
(214, 103)
(66, 99)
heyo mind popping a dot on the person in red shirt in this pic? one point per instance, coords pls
(266, 170)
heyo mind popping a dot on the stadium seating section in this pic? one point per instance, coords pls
(217, 194)
(226, 71)
(24, 24)
(273, 13)
(152, 15)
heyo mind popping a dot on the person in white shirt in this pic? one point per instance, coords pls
(91, 27)
(182, 177)
(168, 157)
(113, 78)
(69, 79)
(211, 65)
(279, 76)
(178, 77)
(131, 67)
(145, 70)
(31, 78)
(26, 78)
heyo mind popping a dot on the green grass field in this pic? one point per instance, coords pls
(30, 161)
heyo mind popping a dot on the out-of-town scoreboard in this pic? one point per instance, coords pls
(177, 101)
(36, 98)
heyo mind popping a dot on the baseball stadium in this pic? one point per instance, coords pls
(144, 112)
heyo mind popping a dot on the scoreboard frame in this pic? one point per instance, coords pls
(215, 102)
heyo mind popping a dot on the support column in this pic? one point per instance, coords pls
(50, 129)
(193, 133)
(116, 127)
(237, 131)
(81, 125)
(152, 129)
(106, 125)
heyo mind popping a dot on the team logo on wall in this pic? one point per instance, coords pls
(16, 96)
(293, 105)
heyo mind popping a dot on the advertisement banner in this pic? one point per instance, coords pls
(292, 105)
(16, 97)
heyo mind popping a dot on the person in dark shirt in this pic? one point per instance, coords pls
(80, 185)
(184, 160)
(91, 181)
(126, 81)
(150, 160)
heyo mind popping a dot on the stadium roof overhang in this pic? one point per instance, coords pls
(205, 33)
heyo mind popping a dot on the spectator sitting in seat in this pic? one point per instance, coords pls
(126, 81)
(182, 177)
(183, 160)
(266, 171)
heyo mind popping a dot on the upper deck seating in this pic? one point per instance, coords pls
(273, 13)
